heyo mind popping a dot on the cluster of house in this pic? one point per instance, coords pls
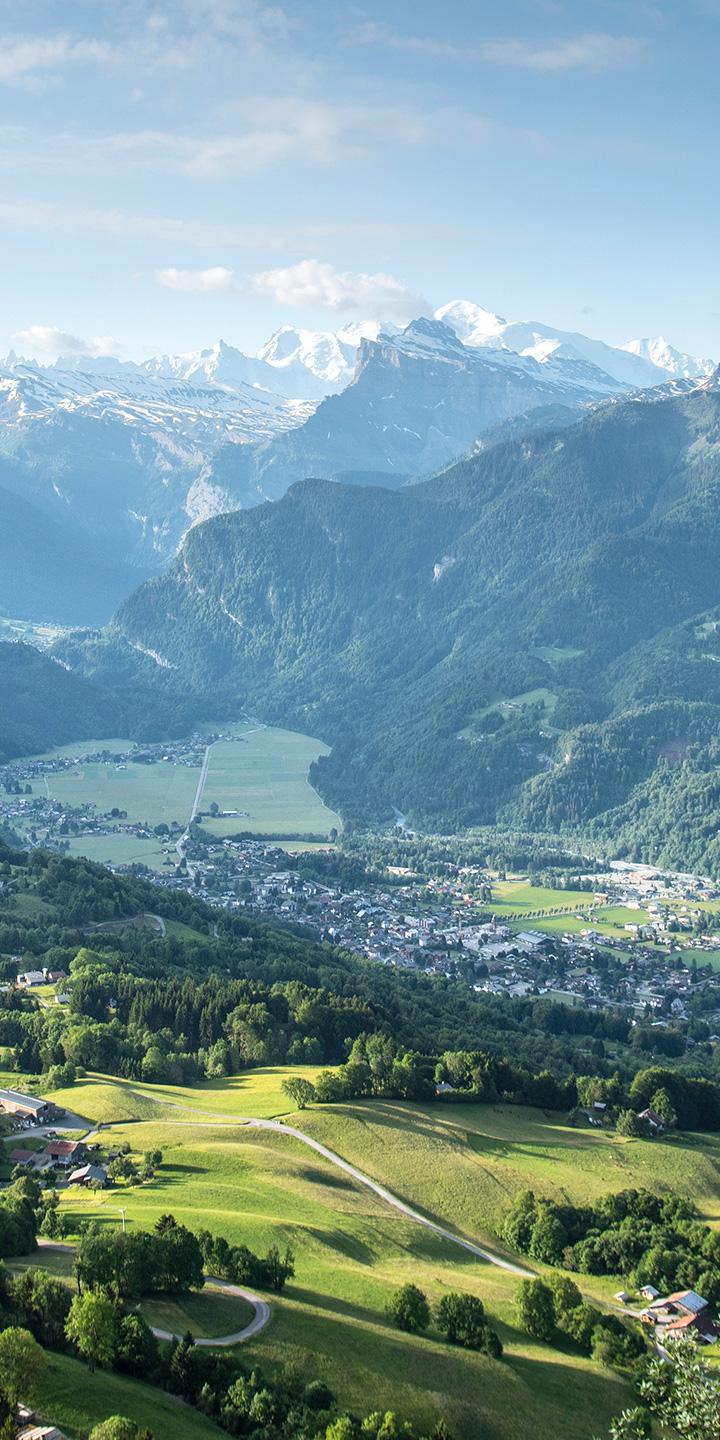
(64, 1155)
(31, 1111)
(683, 1312)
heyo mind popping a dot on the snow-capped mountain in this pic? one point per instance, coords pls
(658, 351)
(126, 456)
(419, 398)
(635, 364)
(191, 409)
(327, 355)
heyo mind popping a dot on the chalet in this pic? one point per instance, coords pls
(65, 1152)
(652, 1118)
(682, 1312)
(25, 1107)
(87, 1174)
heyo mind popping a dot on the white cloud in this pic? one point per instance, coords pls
(45, 341)
(589, 51)
(80, 220)
(31, 61)
(215, 281)
(314, 283)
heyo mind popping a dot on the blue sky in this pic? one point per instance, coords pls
(180, 170)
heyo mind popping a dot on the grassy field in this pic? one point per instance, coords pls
(262, 773)
(122, 849)
(352, 1251)
(460, 1163)
(149, 793)
(255, 1093)
(205, 1313)
(518, 896)
(74, 1398)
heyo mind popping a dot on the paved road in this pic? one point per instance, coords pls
(217, 1342)
(359, 1175)
(260, 1319)
(200, 784)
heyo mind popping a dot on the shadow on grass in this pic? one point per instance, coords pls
(344, 1244)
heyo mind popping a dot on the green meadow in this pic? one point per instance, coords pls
(263, 774)
(67, 1394)
(150, 794)
(352, 1251)
(461, 1164)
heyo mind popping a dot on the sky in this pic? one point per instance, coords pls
(179, 170)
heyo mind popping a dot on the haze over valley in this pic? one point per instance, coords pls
(359, 721)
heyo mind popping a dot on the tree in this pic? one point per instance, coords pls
(137, 1348)
(299, 1090)
(116, 1427)
(548, 1238)
(462, 1319)
(21, 1360)
(92, 1327)
(536, 1308)
(344, 1428)
(666, 1110)
(682, 1395)
(519, 1222)
(409, 1309)
(41, 1303)
(566, 1296)
(630, 1124)
(278, 1268)
(635, 1424)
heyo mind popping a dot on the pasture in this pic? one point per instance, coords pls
(262, 774)
(150, 794)
(67, 1394)
(461, 1164)
(351, 1252)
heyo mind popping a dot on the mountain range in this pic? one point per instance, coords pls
(531, 637)
(110, 463)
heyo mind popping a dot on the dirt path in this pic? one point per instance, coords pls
(278, 1127)
(260, 1319)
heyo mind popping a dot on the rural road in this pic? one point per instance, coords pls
(359, 1175)
(259, 1321)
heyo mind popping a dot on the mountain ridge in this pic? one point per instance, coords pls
(474, 647)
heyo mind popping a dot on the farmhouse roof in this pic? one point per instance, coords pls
(690, 1300)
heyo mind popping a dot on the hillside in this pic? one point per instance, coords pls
(42, 704)
(49, 570)
(529, 636)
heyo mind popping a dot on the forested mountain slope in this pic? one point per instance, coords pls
(530, 634)
(42, 704)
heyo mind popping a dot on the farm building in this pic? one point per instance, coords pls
(87, 1174)
(26, 1107)
(679, 1313)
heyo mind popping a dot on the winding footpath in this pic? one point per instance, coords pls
(279, 1128)
(262, 1311)
(237, 1292)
